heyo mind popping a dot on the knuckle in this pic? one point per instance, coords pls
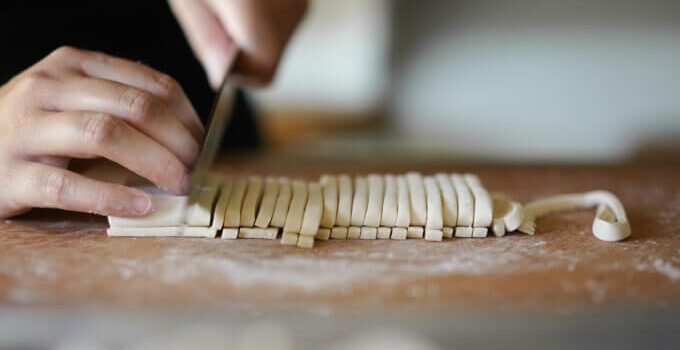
(100, 129)
(138, 102)
(33, 81)
(53, 186)
(65, 51)
(167, 86)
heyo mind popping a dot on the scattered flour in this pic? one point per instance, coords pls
(660, 266)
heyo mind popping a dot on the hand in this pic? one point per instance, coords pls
(259, 28)
(81, 104)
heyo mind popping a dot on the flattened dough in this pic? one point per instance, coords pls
(169, 211)
(466, 205)
(251, 201)
(388, 217)
(282, 203)
(416, 189)
(403, 203)
(434, 204)
(232, 218)
(330, 200)
(313, 211)
(449, 201)
(376, 194)
(257, 232)
(268, 204)
(296, 210)
(483, 209)
(345, 199)
(360, 201)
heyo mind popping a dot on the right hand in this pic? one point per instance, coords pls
(82, 104)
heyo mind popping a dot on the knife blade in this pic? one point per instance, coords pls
(220, 116)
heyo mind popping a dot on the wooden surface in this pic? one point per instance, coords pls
(58, 258)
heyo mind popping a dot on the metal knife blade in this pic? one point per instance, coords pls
(220, 116)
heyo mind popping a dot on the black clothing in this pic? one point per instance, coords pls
(142, 30)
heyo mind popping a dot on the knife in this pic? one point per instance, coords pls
(220, 116)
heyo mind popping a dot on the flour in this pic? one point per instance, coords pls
(660, 266)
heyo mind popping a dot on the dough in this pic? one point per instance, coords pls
(282, 203)
(434, 204)
(610, 224)
(345, 198)
(289, 238)
(339, 232)
(296, 209)
(399, 233)
(384, 232)
(416, 189)
(323, 234)
(229, 233)
(330, 200)
(449, 199)
(415, 232)
(483, 210)
(433, 235)
(313, 211)
(168, 211)
(447, 232)
(360, 201)
(252, 200)
(368, 233)
(465, 202)
(221, 205)
(388, 217)
(268, 204)
(479, 232)
(201, 213)
(305, 241)
(403, 203)
(232, 218)
(257, 232)
(376, 194)
(353, 232)
(173, 231)
(463, 232)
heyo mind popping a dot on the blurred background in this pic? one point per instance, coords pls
(495, 80)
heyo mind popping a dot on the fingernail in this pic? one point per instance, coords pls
(185, 184)
(214, 66)
(141, 205)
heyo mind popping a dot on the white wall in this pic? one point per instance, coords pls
(530, 79)
(337, 60)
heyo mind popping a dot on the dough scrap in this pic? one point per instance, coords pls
(399, 233)
(368, 232)
(353, 232)
(415, 232)
(433, 235)
(323, 234)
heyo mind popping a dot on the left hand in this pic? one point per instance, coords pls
(260, 29)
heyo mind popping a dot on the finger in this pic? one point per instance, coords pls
(207, 37)
(44, 186)
(87, 135)
(100, 65)
(138, 107)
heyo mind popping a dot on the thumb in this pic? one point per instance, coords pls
(206, 36)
